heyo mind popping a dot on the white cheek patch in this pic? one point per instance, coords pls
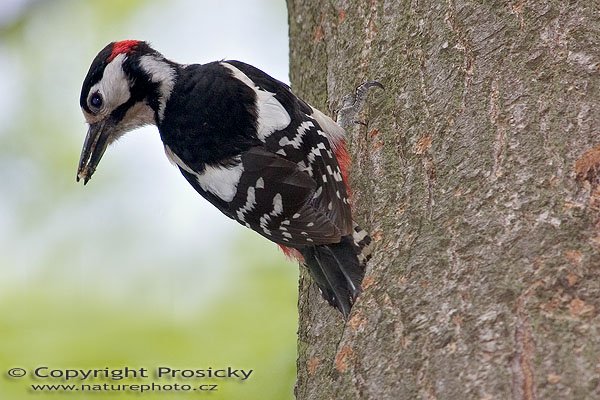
(114, 86)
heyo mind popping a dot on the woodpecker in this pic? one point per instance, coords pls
(246, 143)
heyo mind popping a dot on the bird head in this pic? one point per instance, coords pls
(126, 87)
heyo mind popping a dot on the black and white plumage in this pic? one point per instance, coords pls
(246, 143)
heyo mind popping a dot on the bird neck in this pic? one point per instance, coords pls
(162, 75)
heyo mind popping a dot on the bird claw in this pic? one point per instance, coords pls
(352, 104)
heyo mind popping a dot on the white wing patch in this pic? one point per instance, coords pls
(272, 116)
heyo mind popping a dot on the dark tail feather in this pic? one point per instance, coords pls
(338, 269)
(362, 244)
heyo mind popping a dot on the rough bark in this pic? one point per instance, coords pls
(476, 172)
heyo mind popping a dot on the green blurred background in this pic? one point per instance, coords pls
(135, 269)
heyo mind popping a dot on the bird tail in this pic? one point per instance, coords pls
(338, 269)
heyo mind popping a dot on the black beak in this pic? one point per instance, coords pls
(94, 146)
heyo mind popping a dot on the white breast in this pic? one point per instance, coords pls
(220, 181)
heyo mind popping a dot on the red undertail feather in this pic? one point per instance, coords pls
(121, 47)
(291, 253)
(343, 158)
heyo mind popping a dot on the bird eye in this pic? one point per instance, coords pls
(96, 100)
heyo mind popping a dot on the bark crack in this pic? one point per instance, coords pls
(523, 366)
(370, 32)
(500, 140)
(463, 45)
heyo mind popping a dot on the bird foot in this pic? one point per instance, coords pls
(352, 104)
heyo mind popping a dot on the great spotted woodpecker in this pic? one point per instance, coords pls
(246, 143)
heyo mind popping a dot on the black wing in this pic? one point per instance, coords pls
(305, 143)
(273, 198)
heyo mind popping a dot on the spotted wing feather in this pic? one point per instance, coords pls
(274, 199)
(307, 143)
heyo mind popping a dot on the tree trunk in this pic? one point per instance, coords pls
(476, 172)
